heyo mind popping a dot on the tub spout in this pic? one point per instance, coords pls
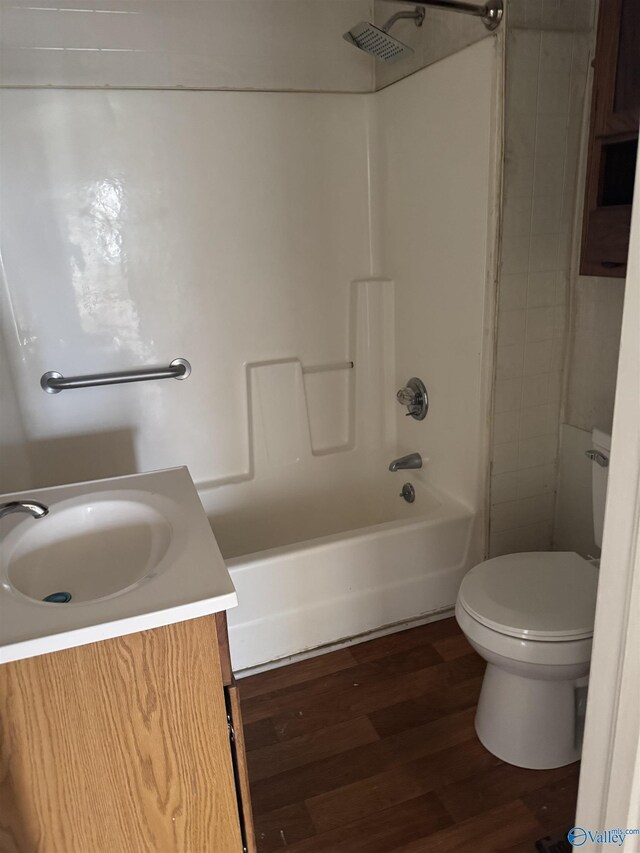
(411, 460)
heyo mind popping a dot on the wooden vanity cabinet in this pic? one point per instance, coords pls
(125, 746)
(613, 140)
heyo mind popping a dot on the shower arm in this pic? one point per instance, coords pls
(490, 14)
(417, 15)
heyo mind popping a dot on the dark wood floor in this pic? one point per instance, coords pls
(373, 749)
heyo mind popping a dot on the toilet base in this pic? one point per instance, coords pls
(528, 722)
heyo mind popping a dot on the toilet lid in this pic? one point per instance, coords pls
(542, 595)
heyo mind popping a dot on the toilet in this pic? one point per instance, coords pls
(530, 616)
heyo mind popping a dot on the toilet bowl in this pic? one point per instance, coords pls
(530, 616)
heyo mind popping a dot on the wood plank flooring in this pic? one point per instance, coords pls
(372, 749)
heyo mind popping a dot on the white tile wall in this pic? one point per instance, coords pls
(290, 45)
(573, 15)
(210, 44)
(594, 346)
(547, 63)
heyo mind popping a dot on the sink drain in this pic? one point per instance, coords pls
(58, 597)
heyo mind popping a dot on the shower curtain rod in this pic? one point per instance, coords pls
(490, 14)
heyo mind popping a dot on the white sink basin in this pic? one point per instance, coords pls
(113, 556)
(91, 548)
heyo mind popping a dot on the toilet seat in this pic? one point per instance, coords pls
(541, 595)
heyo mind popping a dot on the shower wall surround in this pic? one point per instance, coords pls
(143, 226)
(548, 53)
(442, 33)
(232, 229)
(15, 467)
(433, 246)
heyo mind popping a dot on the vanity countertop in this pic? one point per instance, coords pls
(135, 552)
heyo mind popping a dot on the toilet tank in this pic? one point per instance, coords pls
(599, 477)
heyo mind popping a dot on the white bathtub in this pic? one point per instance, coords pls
(367, 561)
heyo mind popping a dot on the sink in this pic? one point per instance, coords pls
(111, 557)
(87, 550)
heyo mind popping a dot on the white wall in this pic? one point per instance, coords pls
(142, 226)
(266, 45)
(595, 316)
(229, 229)
(590, 368)
(435, 133)
(573, 527)
(592, 363)
(15, 466)
(547, 74)
(209, 44)
(558, 332)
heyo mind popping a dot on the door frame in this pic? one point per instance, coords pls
(609, 791)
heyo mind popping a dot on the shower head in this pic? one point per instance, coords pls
(377, 41)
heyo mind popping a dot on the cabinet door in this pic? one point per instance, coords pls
(240, 767)
(613, 140)
(617, 68)
(121, 745)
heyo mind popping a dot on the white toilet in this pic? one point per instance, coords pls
(530, 616)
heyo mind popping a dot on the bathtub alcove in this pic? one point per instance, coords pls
(320, 544)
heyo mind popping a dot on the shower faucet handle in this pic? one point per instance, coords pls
(406, 397)
(415, 397)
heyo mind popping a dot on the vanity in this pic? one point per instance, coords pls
(120, 725)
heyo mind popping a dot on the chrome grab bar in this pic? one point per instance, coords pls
(53, 382)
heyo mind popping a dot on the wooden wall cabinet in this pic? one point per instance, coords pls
(124, 745)
(613, 140)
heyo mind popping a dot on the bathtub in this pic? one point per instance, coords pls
(336, 566)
